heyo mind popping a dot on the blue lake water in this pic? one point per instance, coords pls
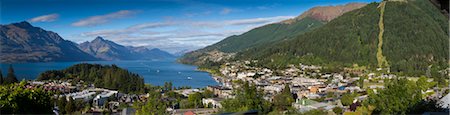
(154, 72)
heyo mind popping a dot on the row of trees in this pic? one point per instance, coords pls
(10, 77)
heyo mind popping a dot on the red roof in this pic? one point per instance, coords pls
(189, 113)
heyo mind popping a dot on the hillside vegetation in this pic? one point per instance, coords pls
(415, 37)
(348, 38)
(110, 77)
(260, 36)
(266, 34)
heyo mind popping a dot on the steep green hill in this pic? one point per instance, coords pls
(256, 37)
(266, 34)
(415, 37)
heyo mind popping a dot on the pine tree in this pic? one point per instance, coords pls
(284, 100)
(70, 107)
(62, 105)
(11, 78)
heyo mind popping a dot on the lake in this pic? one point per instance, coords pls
(153, 72)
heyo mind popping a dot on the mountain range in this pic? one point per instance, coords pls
(22, 42)
(402, 36)
(108, 50)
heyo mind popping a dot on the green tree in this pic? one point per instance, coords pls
(361, 81)
(70, 107)
(247, 98)
(347, 99)
(16, 99)
(62, 105)
(337, 110)
(195, 100)
(284, 100)
(11, 77)
(154, 105)
(314, 112)
(208, 94)
(397, 98)
(423, 83)
(167, 86)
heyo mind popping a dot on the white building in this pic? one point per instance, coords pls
(215, 102)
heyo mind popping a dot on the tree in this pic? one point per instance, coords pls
(398, 97)
(154, 105)
(195, 100)
(16, 99)
(347, 99)
(208, 94)
(70, 107)
(247, 98)
(62, 105)
(337, 110)
(284, 100)
(11, 78)
(423, 83)
(167, 86)
(361, 81)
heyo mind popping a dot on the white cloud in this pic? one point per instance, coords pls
(151, 25)
(101, 19)
(258, 20)
(45, 18)
(182, 34)
(251, 21)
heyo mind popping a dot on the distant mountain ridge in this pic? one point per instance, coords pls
(108, 50)
(22, 42)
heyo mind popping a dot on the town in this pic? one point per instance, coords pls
(311, 86)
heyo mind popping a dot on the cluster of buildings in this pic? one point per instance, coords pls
(312, 88)
(101, 99)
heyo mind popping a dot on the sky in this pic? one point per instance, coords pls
(171, 25)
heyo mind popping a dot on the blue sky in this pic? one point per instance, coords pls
(171, 25)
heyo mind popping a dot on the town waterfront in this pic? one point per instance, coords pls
(154, 72)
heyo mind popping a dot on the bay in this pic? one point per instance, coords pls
(154, 72)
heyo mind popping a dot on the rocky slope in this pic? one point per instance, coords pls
(22, 42)
(328, 13)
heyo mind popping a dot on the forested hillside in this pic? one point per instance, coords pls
(415, 38)
(265, 35)
(23, 42)
(105, 76)
(268, 34)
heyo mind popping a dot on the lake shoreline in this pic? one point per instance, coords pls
(153, 72)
